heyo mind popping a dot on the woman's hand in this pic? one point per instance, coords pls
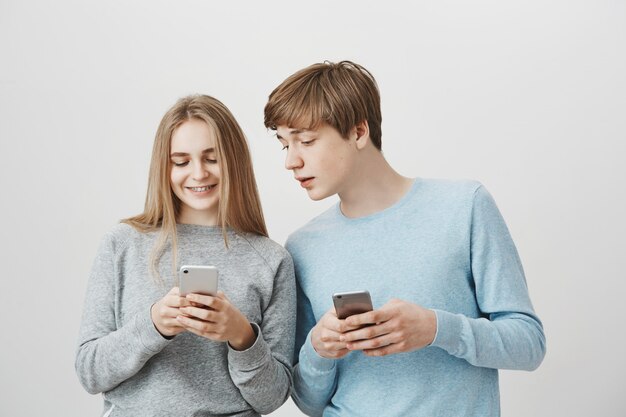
(215, 318)
(165, 311)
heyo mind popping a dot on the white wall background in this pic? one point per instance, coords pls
(527, 97)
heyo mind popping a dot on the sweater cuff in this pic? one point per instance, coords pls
(251, 358)
(449, 328)
(309, 355)
(151, 339)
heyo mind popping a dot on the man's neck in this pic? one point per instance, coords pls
(375, 187)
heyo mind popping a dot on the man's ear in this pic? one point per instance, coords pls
(362, 131)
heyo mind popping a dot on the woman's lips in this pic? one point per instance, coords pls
(205, 189)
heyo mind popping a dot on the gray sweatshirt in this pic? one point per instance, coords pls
(140, 373)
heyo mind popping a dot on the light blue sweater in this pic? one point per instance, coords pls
(444, 246)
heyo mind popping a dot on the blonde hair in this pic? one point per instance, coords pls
(239, 205)
(340, 94)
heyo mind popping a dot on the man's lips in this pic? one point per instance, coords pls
(305, 181)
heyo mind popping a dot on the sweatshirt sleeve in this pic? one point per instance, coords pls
(263, 372)
(315, 377)
(509, 335)
(108, 355)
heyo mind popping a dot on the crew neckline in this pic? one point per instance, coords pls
(200, 228)
(394, 207)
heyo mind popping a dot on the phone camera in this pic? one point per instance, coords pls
(339, 296)
(185, 271)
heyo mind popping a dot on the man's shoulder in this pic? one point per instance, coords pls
(445, 194)
(449, 187)
(314, 227)
(432, 194)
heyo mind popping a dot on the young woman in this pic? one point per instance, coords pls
(152, 352)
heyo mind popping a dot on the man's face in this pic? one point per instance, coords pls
(321, 160)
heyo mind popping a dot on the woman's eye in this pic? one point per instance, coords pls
(285, 147)
(181, 164)
(211, 161)
(308, 142)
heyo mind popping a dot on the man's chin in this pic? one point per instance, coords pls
(317, 195)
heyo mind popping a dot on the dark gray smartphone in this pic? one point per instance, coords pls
(353, 302)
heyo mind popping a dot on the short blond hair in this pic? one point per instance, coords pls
(341, 94)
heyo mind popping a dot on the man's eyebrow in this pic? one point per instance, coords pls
(293, 132)
(208, 150)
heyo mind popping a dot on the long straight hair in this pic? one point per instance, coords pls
(239, 206)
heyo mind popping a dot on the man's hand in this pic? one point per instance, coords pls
(398, 326)
(326, 333)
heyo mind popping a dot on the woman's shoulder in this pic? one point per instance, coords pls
(121, 234)
(121, 231)
(272, 252)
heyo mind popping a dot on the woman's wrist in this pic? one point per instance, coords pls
(154, 318)
(244, 339)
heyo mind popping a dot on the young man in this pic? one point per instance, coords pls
(450, 296)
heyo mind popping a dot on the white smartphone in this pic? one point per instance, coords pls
(350, 303)
(197, 280)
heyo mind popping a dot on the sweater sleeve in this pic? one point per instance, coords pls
(108, 355)
(509, 335)
(315, 377)
(263, 372)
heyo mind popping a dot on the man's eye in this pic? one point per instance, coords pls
(307, 142)
(181, 164)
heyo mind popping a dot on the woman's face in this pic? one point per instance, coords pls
(195, 172)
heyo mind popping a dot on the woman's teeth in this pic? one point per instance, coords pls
(200, 189)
